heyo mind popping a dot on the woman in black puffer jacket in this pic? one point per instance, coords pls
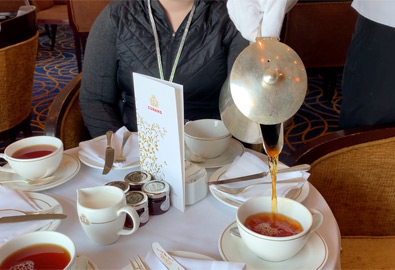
(122, 41)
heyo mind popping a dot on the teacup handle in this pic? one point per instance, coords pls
(2, 168)
(318, 218)
(133, 215)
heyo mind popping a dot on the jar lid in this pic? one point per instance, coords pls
(156, 188)
(136, 198)
(119, 184)
(137, 177)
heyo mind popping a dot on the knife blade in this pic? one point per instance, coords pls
(110, 154)
(21, 218)
(302, 167)
(168, 261)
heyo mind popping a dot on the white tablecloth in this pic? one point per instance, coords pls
(198, 229)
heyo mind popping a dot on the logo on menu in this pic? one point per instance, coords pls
(154, 105)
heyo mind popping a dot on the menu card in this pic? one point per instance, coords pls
(160, 123)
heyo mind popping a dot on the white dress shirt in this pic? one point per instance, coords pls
(380, 11)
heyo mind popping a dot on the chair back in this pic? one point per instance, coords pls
(19, 28)
(82, 14)
(64, 119)
(42, 4)
(320, 32)
(17, 64)
(354, 171)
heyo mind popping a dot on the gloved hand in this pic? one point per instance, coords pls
(255, 18)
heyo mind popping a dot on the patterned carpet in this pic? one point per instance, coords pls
(56, 68)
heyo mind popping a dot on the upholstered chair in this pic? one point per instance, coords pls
(51, 13)
(17, 63)
(82, 15)
(64, 119)
(354, 171)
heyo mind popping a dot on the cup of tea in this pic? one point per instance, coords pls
(102, 212)
(38, 250)
(206, 138)
(280, 236)
(34, 157)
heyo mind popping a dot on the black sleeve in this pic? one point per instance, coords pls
(99, 94)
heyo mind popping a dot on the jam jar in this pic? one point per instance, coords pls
(119, 184)
(137, 179)
(158, 193)
(139, 201)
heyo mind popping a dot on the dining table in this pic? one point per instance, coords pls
(198, 229)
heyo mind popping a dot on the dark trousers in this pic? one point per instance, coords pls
(368, 85)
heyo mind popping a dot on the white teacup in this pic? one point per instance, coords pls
(37, 167)
(206, 138)
(102, 212)
(38, 238)
(273, 248)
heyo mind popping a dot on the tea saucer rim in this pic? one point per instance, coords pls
(45, 200)
(287, 264)
(71, 172)
(234, 149)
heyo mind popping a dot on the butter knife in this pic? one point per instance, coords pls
(302, 167)
(168, 261)
(110, 154)
(21, 218)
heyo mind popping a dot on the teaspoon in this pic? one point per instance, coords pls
(35, 182)
(235, 231)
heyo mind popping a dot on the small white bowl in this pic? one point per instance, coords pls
(206, 138)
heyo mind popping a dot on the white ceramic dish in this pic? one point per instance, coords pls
(313, 255)
(234, 149)
(45, 202)
(298, 195)
(68, 168)
(97, 165)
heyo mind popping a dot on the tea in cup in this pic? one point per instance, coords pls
(102, 212)
(206, 138)
(38, 250)
(280, 236)
(34, 157)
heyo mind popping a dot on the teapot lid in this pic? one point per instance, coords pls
(268, 81)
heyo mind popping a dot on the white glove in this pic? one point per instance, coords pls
(250, 16)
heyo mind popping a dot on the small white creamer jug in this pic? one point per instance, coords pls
(102, 212)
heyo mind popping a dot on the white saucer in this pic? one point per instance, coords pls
(234, 149)
(298, 195)
(68, 168)
(45, 202)
(312, 256)
(98, 165)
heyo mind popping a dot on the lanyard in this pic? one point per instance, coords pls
(158, 55)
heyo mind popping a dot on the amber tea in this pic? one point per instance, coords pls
(41, 256)
(270, 224)
(34, 151)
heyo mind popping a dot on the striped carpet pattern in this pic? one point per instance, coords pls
(54, 69)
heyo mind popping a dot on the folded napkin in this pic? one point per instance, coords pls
(247, 164)
(12, 200)
(251, 15)
(193, 264)
(95, 149)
